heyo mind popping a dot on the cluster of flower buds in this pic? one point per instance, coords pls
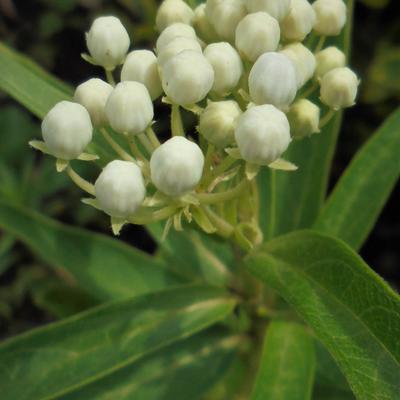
(244, 68)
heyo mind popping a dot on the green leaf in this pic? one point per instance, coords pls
(52, 361)
(301, 193)
(354, 313)
(105, 267)
(287, 364)
(184, 370)
(357, 200)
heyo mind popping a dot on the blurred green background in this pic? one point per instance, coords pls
(52, 33)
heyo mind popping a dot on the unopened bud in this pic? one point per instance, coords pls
(67, 130)
(187, 78)
(171, 11)
(339, 88)
(304, 118)
(331, 17)
(303, 60)
(262, 134)
(141, 66)
(272, 80)
(177, 45)
(93, 95)
(276, 8)
(177, 166)
(299, 22)
(329, 59)
(224, 16)
(108, 42)
(120, 189)
(256, 34)
(227, 66)
(203, 26)
(218, 122)
(173, 31)
(129, 108)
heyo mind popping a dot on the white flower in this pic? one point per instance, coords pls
(177, 45)
(108, 42)
(331, 17)
(256, 34)
(67, 130)
(329, 59)
(120, 189)
(262, 134)
(304, 118)
(339, 88)
(303, 60)
(203, 26)
(177, 166)
(187, 78)
(173, 31)
(272, 80)
(224, 16)
(141, 66)
(227, 65)
(171, 11)
(299, 22)
(129, 108)
(93, 95)
(276, 8)
(218, 122)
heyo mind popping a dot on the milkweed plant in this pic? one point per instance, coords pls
(240, 301)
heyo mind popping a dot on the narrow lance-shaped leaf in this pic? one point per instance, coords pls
(105, 267)
(355, 314)
(287, 364)
(185, 370)
(293, 200)
(352, 209)
(52, 361)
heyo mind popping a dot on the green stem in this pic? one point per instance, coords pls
(320, 44)
(272, 206)
(228, 195)
(224, 228)
(309, 91)
(115, 146)
(176, 121)
(110, 77)
(326, 118)
(135, 149)
(80, 182)
(226, 163)
(209, 157)
(144, 140)
(153, 137)
(154, 216)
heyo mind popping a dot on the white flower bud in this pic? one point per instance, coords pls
(303, 60)
(256, 34)
(218, 122)
(177, 166)
(329, 59)
(67, 130)
(93, 95)
(339, 88)
(304, 118)
(187, 78)
(276, 8)
(203, 26)
(141, 66)
(129, 108)
(272, 80)
(331, 17)
(299, 22)
(120, 188)
(108, 42)
(227, 65)
(173, 31)
(224, 16)
(171, 11)
(262, 134)
(177, 45)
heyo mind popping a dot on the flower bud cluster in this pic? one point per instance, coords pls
(240, 66)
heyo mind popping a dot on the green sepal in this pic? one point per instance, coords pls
(61, 165)
(203, 221)
(252, 171)
(117, 224)
(283, 165)
(40, 146)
